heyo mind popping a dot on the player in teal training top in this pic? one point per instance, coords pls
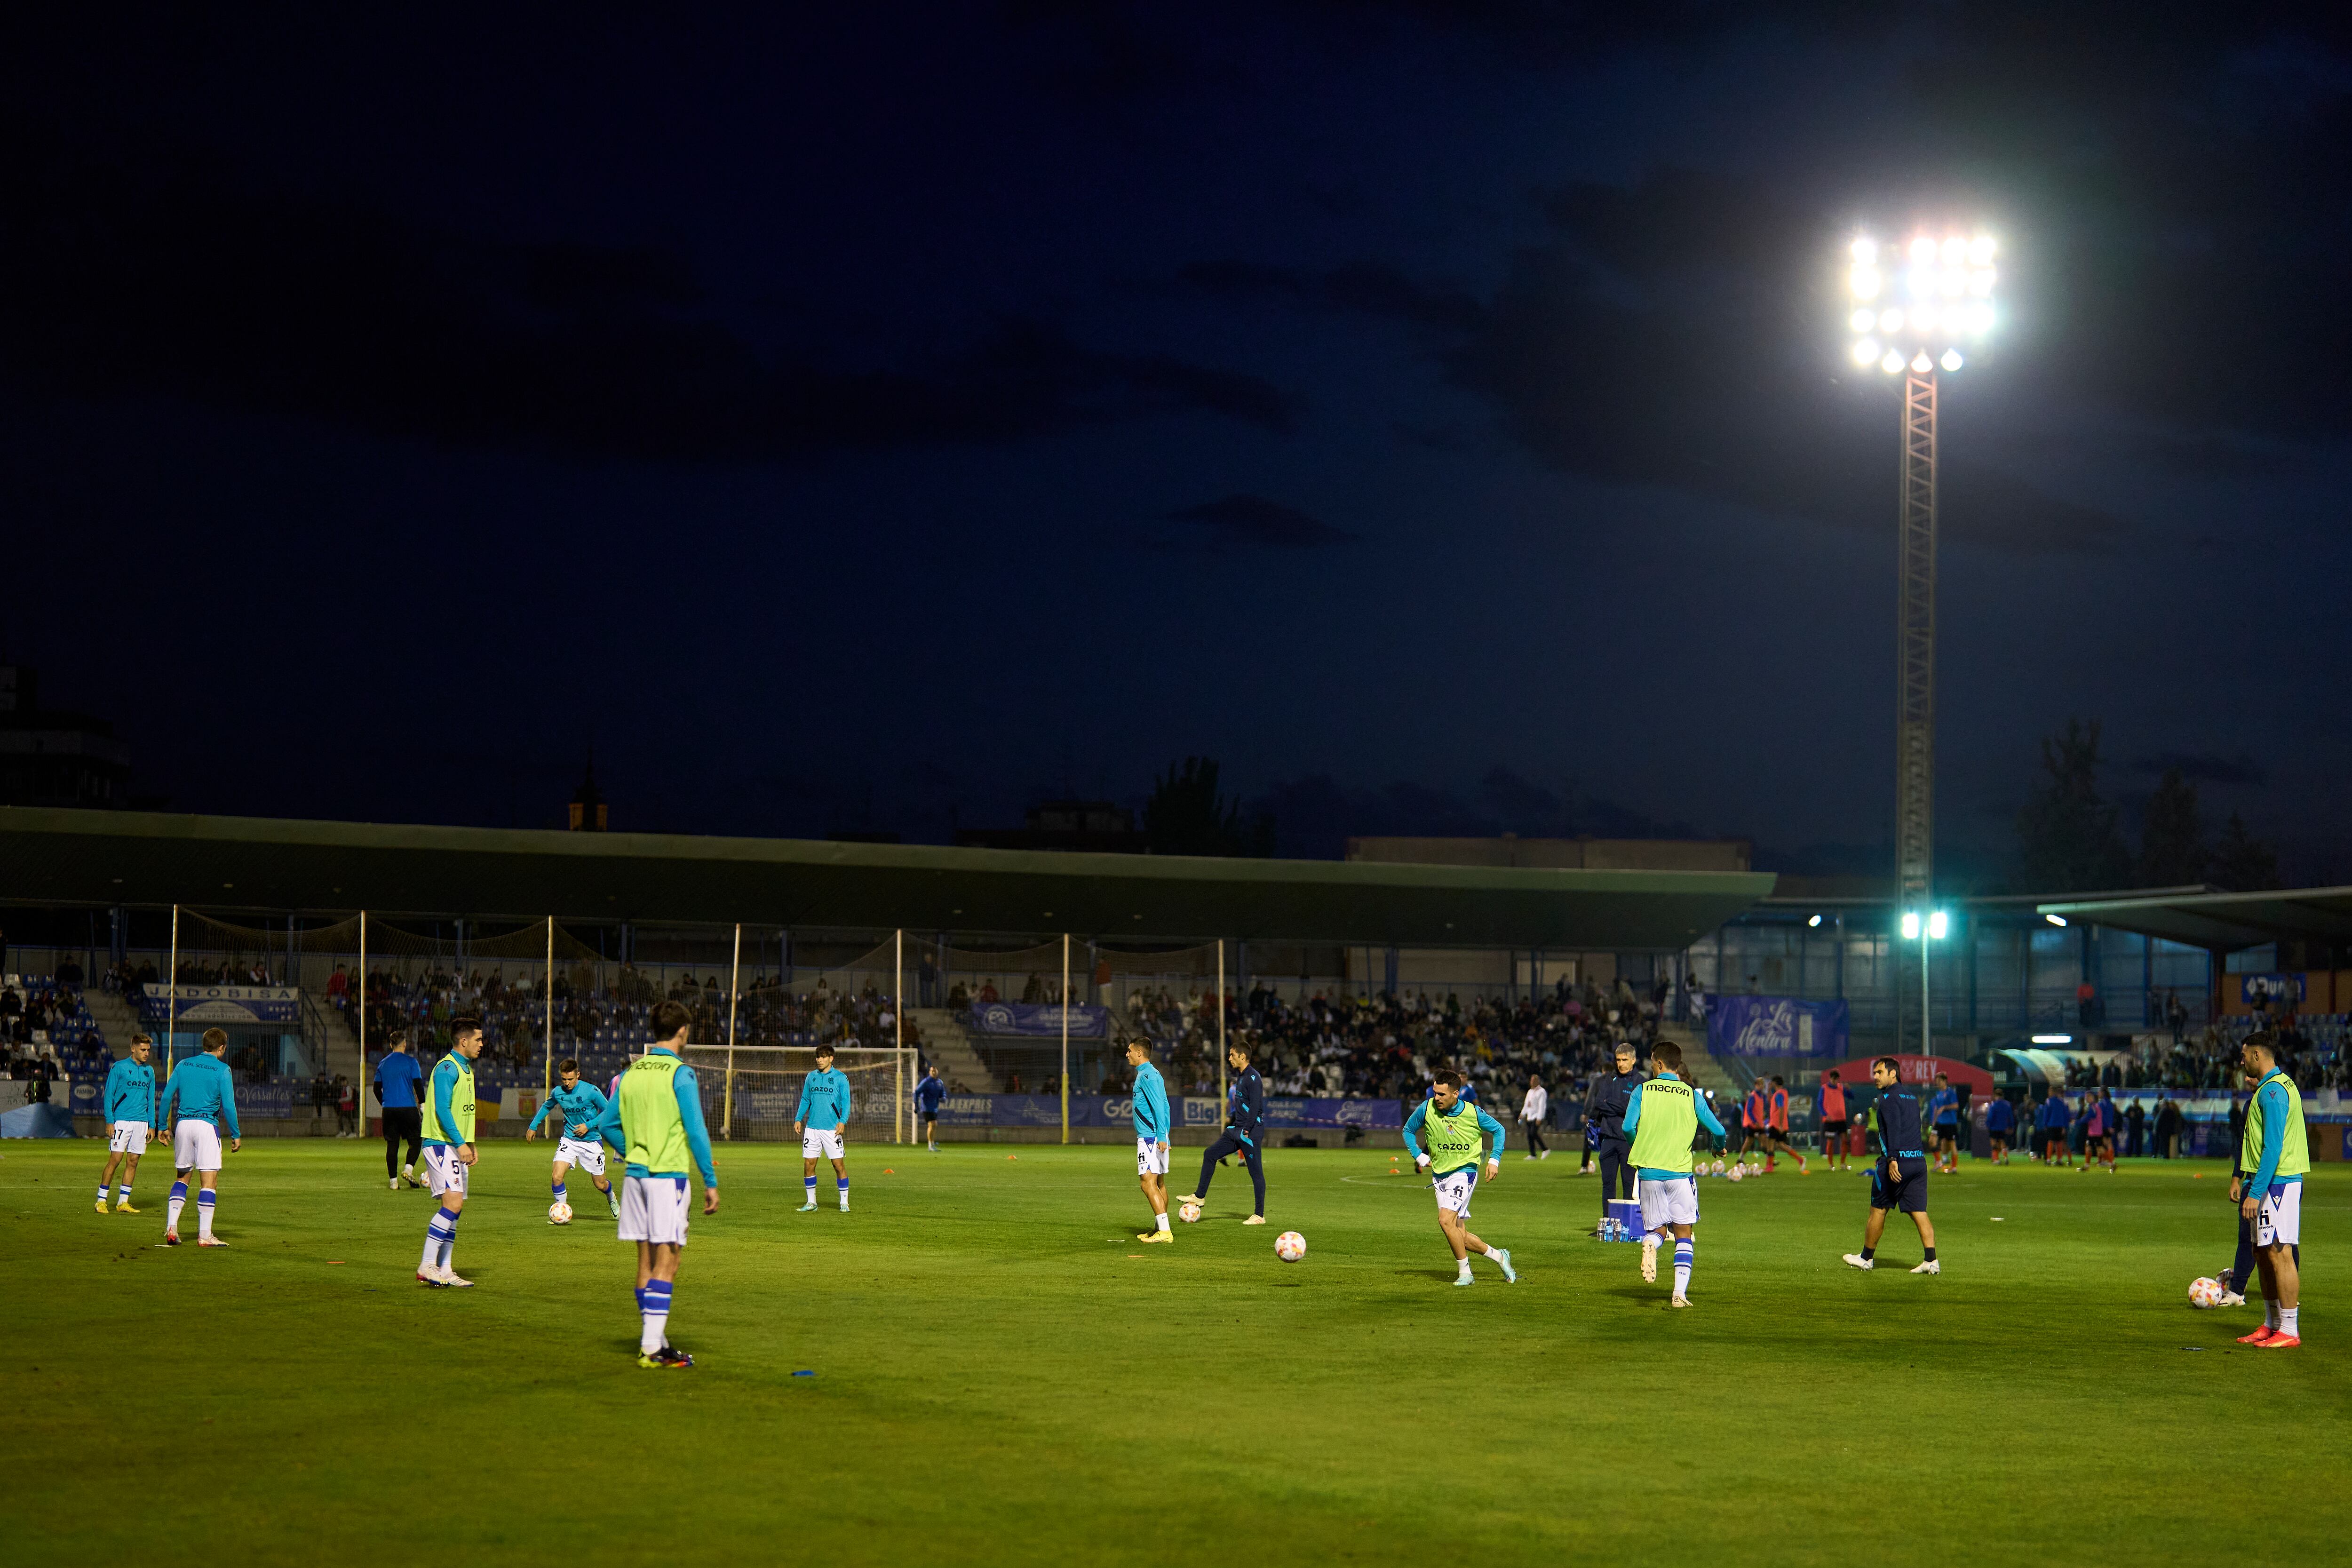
(1150, 1098)
(824, 1112)
(199, 1103)
(577, 1108)
(130, 1119)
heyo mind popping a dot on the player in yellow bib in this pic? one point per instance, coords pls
(1664, 1117)
(2276, 1156)
(449, 1149)
(655, 1120)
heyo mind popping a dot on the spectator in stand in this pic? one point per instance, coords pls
(1533, 1109)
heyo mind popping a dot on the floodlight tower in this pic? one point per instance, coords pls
(1912, 307)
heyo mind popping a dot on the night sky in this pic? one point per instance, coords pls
(883, 417)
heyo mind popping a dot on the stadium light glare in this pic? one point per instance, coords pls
(1951, 359)
(1921, 363)
(1911, 925)
(1865, 351)
(1923, 249)
(2054, 1039)
(1865, 282)
(1891, 363)
(1814, 921)
(1862, 320)
(1864, 249)
(2058, 921)
(1937, 924)
(1980, 251)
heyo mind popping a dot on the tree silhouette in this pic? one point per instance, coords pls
(2242, 863)
(1186, 816)
(2172, 850)
(2067, 841)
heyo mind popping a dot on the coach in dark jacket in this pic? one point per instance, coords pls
(1606, 1114)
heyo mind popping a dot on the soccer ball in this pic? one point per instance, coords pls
(1290, 1246)
(1738, 1171)
(1755, 1167)
(1188, 1212)
(2204, 1293)
(559, 1213)
(1718, 1167)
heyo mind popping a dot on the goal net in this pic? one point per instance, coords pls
(751, 1092)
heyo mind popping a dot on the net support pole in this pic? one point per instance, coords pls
(1221, 1020)
(547, 1015)
(1065, 1037)
(171, 996)
(734, 989)
(361, 1087)
(898, 1029)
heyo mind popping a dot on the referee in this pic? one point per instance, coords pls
(396, 1081)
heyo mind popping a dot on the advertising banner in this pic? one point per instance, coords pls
(1039, 1020)
(1776, 1026)
(2270, 990)
(202, 1005)
(1117, 1111)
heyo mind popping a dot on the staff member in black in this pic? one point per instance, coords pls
(1898, 1172)
(1244, 1117)
(1605, 1114)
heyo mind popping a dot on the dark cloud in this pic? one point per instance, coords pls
(166, 277)
(2205, 767)
(1249, 519)
(1362, 286)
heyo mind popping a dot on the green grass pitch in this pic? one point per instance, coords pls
(1002, 1375)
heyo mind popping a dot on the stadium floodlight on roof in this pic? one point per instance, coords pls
(1919, 307)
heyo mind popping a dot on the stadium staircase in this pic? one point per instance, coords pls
(1705, 1068)
(117, 1020)
(946, 1044)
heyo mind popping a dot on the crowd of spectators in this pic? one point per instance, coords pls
(1388, 1046)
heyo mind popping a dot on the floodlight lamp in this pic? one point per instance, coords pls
(1951, 359)
(1862, 321)
(1921, 363)
(1956, 249)
(1814, 921)
(1980, 251)
(1890, 322)
(1937, 924)
(1911, 926)
(1953, 281)
(1863, 282)
(1981, 282)
(1980, 317)
(1923, 249)
(1891, 363)
(1865, 250)
(2058, 920)
(1865, 351)
(1923, 319)
(2054, 1039)
(1919, 280)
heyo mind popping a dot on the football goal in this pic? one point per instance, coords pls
(751, 1092)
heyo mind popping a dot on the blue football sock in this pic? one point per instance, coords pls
(557, 1187)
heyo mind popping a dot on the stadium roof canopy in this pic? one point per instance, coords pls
(56, 857)
(2221, 921)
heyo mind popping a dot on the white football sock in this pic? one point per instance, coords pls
(2286, 1320)
(1463, 1266)
(1161, 1219)
(179, 1201)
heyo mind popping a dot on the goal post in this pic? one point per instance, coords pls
(751, 1092)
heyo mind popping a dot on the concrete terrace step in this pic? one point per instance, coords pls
(950, 1049)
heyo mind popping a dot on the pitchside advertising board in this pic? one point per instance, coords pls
(1037, 1020)
(1776, 1026)
(1086, 1109)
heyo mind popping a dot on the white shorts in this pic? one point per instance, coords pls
(444, 1171)
(654, 1208)
(2279, 1221)
(1454, 1187)
(1667, 1203)
(129, 1138)
(589, 1157)
(821, 1145)
(195, 1146)
(1151, 1157)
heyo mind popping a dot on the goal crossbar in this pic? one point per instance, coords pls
(759, 1086)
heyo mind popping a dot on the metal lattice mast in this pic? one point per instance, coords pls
(1914, 718)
